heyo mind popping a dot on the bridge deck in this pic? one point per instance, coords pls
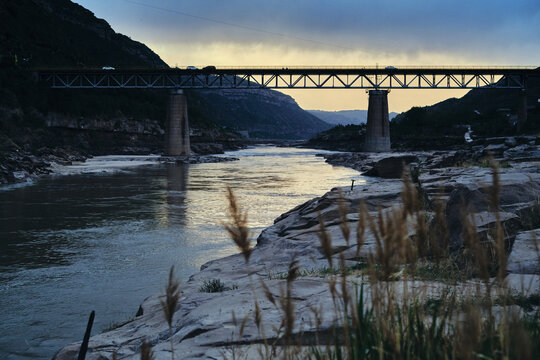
(293, 78)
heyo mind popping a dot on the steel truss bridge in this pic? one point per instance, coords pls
(292, 78)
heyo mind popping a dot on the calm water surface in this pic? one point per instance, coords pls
(104, 239)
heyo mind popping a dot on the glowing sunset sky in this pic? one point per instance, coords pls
(339, 32)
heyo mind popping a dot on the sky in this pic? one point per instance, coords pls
(333, 32)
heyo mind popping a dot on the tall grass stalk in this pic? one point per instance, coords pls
(172, 294)
(146, 351)
(237, 225)
(391, 314)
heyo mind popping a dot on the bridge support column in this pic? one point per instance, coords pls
(177, 137)
(378, 126)
(522, 109)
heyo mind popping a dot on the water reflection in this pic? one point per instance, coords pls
(106, 241)
(177, 178)
(172, 212)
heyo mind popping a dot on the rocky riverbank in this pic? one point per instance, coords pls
(390, 165)
(195, 159)
(248, 305)
(18, 165)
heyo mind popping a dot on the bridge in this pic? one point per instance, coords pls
(379, 80)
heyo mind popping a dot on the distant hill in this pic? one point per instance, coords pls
(52, 33)
(344, 117)
(265, 114)
(490, 112)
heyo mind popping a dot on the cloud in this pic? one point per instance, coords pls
(338, 32)
(405, 26)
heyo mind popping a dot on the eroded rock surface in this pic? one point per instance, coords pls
(204, 326)
(525, 255)
(507, 149)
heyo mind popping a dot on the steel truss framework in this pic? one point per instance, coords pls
(297, 78)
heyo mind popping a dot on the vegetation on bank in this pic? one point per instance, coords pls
(488, 112)
(498, 116)
(216, 285)
(382, 307)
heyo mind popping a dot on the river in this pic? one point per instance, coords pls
(104, 234)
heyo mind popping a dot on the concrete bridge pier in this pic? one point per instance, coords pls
(378, 126)
(177, 136)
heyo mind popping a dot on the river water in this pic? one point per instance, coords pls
(103, 235)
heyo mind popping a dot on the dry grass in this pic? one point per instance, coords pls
(146, 351)
(237, 225)
(375, 321)
(172, 294)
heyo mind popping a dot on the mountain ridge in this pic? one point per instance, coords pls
(66, 33)
(489, 112)
(344, 117)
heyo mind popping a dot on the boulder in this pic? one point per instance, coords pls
(495, 150)
(442, 159)
(207, 148)
(525, 255)
(523, 153)
(391, 167)
(510, 141)
(517, 192)
(357, 161)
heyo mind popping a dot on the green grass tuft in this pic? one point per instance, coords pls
(215, 285)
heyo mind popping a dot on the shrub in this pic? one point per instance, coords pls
(214, 286)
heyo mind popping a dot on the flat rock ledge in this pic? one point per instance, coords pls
(203, 326)
(390, 164)
(19, 166)
(196, 159)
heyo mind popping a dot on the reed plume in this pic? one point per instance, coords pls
(326, 241)
(343, 211)
(361, 227)
(146, 351)
(237, 225)
(391, 320)
(494, 192)
(172, 294)
(287, 303)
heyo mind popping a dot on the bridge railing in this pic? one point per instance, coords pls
(287, 78)
(294, 67)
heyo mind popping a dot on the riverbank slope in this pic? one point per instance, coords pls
(246, 313)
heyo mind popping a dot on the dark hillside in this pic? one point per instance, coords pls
(490, 112)
(41, 33)
(39, 123)
(264, 114)
(52, 33)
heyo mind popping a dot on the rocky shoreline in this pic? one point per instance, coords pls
(204, 326)
(390, 165)
(18, 166)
